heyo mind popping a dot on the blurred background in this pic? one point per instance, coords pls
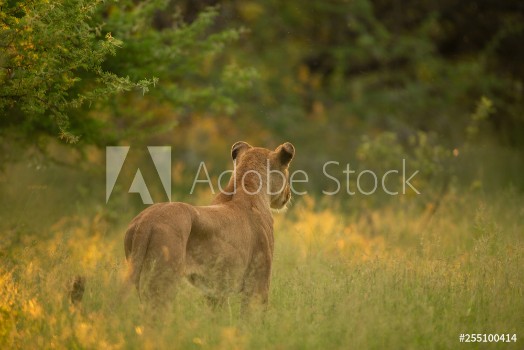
(365, 82)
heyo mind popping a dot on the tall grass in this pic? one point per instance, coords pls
(391, 280)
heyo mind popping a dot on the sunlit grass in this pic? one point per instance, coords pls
(337, 283)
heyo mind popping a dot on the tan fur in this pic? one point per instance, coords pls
(221, 249)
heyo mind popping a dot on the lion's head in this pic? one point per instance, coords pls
(262, 171)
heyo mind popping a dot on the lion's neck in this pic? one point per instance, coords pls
(248, 193)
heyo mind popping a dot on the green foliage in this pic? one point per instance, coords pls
(482, 112)
(421, 150)
(352, 68)
(62, 61)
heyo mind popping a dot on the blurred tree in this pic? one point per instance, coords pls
(366, 65)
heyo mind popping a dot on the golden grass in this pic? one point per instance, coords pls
(387, 278)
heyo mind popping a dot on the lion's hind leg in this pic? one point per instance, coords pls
(163, 270)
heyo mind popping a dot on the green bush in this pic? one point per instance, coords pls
(65, 67)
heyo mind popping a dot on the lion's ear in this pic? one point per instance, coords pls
(238, 148)
(286, 152)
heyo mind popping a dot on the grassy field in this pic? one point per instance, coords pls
(389, 279)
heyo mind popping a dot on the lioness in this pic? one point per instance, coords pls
(223, 248)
